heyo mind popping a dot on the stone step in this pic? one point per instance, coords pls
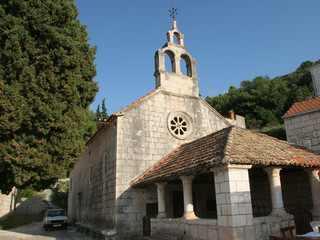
(155, 238)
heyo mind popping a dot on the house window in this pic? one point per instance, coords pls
(180, 124)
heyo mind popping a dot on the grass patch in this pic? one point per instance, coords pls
(17, 220)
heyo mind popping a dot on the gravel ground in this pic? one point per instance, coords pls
(35, 231)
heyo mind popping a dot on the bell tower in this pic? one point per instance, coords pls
(175, 81)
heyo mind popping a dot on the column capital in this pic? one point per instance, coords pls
(312, 172)
(187, 179)
(161, 185)
(273, 171)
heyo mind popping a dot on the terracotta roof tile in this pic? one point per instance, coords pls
(317, 62)
(230, 145)
(304, 106)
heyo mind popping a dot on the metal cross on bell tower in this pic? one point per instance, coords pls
(173, 12)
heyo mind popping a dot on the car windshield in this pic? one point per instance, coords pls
(54, 213)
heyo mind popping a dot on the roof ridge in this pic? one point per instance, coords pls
(228, 146)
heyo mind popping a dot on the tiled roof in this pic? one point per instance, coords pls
(317, 62)
(304, 106)
(230, 145)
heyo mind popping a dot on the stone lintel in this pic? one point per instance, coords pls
(230, 166)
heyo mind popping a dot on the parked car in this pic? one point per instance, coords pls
(55, 218)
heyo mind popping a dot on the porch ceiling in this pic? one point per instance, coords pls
(230, 145)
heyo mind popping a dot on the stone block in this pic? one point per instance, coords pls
(224, 187)
(243, 187)
(226, 233)
(239, 220)
(239, 233)
(221, 198)
(250, 233)
(226, 209)
(212, 234)
(203, 232)
(222, 220)
(245, 208)
(194, 231)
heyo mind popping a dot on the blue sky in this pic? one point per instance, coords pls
(231, 40)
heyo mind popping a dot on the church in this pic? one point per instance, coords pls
(171, 157)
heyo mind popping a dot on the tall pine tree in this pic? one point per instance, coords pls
(46, 85)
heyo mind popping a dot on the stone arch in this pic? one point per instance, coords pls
(171, 56)
(177, 36)
(187, 60)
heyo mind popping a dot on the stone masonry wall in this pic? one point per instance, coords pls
(304, 130)
(144, 139)
(93, 180)
(315, 72)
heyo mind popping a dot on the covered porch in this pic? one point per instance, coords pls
(228, 186)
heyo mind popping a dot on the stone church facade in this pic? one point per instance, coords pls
(198, 175)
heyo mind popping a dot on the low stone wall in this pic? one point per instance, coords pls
(270, 225)
(7, 203)
(188, 229)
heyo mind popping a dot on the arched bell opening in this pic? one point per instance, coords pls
(169, 62)
(185, 65)
(177, 38)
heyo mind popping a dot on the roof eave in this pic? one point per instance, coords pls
(300, 113)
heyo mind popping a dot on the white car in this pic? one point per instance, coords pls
(55, 218)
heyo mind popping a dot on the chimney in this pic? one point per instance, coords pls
(231, 114)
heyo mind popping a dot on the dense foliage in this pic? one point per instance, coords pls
(46, 86)
(59, 196)
(263, 101)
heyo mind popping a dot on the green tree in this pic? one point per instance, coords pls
(46, 86)
(104, 114)
(263, 101)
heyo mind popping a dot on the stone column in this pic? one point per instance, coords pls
(187, 197)
(275, 189)
(234, 208)
(313, 175)
(161, 191)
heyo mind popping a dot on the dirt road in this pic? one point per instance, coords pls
(35, 231)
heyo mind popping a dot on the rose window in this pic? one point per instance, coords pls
(179, 124)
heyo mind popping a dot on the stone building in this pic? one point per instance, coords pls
(198, 175)
(302, 120)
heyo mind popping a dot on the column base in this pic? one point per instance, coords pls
(278, 212)
(189, 215)
(162, 215)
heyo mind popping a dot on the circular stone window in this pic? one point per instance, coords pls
(180, 124)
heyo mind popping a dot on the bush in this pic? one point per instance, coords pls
(275, 131)
(59, 196)
(29, 192)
